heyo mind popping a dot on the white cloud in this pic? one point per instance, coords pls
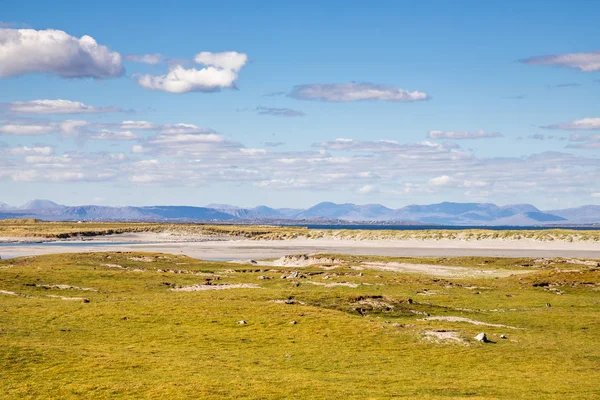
(596, 194)
(26, 129)
(72, 126)
(181, 80)
(151, 59)
(462, 135)
(137, 149)
(172, 129)
(345, 92)
(366, 189)
(24, 51)
(220, 73)
(578, 124)
(106, 134)
(141, 125)
(229, 60)
(587, 62)
(442, 181)
(25, 151)
(55, 107)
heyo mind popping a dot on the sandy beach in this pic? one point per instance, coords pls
(232, 249)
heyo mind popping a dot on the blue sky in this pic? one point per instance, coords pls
(293, 103)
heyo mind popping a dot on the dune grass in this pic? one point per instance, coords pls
(30, 228)
(137, 338)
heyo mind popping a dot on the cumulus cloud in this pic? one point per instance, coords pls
(578, 124)
(344, 92)
(55, 107)
(151, 59)
(587, 62)
(24, 51)
(221, 72)
(279, 112)
(462, 135)
(229, 60)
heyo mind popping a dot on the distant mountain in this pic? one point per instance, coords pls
(40, 205)
(348, 212)
(446, 213)
(580, 215)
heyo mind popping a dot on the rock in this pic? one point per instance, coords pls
(502, 336)
(85, 300)
(548, 305)
(263, 277)
(481, 337)
(410, 301)
(398, 325)
(288, 356)
(293, 323)
(293, 275)
(242, 322)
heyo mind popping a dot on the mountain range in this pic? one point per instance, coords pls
(446, 213)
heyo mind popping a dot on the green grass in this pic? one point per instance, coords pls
(138, 339)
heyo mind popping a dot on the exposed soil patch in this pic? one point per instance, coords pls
(348, 284)
(197, 288)
(439, 270)
(65, 287)
(469, 321)
(440, 336)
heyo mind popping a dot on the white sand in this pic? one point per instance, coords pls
(254, 249)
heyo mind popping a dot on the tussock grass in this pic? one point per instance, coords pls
(137, 338)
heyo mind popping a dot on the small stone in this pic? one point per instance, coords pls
(293, 323)
(288, 356)
(263, 277)
(481, 337)
(548, 305)
(502, 336)
(242, 322)
(85, 300)
(410, 301)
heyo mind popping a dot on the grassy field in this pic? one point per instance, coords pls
(138, 335)
(30, 228)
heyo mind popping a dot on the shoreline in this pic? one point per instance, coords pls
(211, 247)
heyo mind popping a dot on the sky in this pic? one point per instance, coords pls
(288, 104)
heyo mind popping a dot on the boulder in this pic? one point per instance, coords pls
(481, 337)
(242, 322)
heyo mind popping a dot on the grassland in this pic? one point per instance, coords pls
(29, 228)
(139, 338)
